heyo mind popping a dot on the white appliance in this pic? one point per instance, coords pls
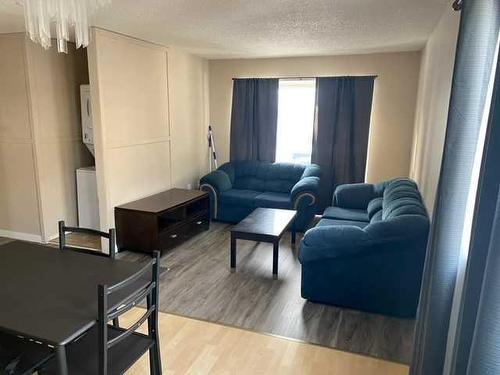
(86, 110)
(86, 182)
(88, 203)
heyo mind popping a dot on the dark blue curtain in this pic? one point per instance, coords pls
(481, 246)
(254, 119)
(454, 269)
(342, 126)
(479, 331)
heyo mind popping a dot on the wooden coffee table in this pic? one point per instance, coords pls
(264, 225)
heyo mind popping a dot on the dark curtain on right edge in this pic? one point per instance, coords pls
(479, 331)
(340, 139)
(457, 330)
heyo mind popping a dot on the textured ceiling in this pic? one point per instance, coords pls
(267, 28)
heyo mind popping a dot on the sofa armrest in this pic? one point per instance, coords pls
(355, 196)
(328, 242)
(218, 180)
(312, 170)
(393, 238)
(214, 184)
(305, 192)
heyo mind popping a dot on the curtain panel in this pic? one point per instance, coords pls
(254, 119)
(341, 129)
(483, 245)
(479, 332)
(454, 268)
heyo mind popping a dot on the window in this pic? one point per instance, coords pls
(297, 99)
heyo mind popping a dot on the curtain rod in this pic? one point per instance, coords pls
(457, 5)
(304, 78)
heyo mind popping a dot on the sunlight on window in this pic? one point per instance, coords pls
(295, 120)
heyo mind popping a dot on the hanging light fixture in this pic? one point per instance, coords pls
(40, 15)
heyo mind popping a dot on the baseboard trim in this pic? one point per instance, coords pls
(52, 238)
(21, 236)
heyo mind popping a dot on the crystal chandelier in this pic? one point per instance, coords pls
(40, 15)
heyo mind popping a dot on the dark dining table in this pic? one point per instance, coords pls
(50, 295)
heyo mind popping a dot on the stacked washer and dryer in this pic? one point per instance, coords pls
(86, 182)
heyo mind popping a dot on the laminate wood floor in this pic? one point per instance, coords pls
(190, 346)
(198, 283)
(4, 240)
(82, 240)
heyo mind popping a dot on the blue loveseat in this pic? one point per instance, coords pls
(368, 250)
(237, 188)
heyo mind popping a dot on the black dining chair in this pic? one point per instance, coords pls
(110, 350)
(111, 236)
(22, 356)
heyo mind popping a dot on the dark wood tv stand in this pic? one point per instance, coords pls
(161, 221)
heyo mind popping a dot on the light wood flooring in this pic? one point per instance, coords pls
(190, 346)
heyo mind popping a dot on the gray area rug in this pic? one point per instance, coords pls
(196, 282)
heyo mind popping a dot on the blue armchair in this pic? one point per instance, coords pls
(368, 250)
(237, 188)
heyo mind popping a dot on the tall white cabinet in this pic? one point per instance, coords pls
(86, 110)
(86, 182)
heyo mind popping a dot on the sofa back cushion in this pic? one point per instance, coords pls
(401, 197)
(263, 176)
(402, 215)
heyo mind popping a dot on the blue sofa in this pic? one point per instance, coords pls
(237, 188)
(368, 250)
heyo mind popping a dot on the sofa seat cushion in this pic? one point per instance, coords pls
(273, 200)
(238, 197)
(345, 214)
(329, 222)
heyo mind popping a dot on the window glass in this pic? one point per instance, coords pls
(296, 104)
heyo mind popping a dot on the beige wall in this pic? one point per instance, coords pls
(55, 80)
(188, 102)
(432, 108)
(150, 113)
(129, 91)
(40, 143)
(19, 211)
(393, 108)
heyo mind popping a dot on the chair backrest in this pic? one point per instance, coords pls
(110, 236)
(131, 292)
